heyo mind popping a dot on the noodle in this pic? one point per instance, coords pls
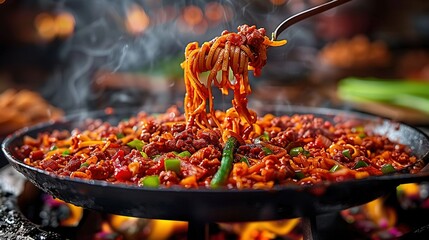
(230, 52)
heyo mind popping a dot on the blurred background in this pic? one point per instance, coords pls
(81, 55)
(62, 57)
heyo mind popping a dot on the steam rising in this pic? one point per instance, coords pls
(101, 48)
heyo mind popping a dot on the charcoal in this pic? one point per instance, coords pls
(14, 225)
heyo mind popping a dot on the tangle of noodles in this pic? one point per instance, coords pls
(231, 52)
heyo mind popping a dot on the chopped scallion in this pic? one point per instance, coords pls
(335, 168)
(244, 159)
(360, 164)
(66, 152)
(346, 153)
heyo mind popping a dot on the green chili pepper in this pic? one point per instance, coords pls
(299, 175)
(360, 164)
(222, 173)
(137, 144)
(150, 181)
(184, 154)
(66, 152)
(85, 164)
(144, 154)
(120, 135)
(244, 159)
(172, 164)
(306, 153)
(346, 153)
(53, 147)
(296, 151)
(335, 168)
(388, 168)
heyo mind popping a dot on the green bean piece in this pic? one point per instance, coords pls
(226, 163)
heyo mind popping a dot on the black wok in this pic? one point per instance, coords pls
(205, 205)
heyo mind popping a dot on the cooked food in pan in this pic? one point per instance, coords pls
(212, 149)
(154, 150)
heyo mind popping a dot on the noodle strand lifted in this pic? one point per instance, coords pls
(235, 53)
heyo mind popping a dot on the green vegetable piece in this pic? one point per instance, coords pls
(346, 153)
(265, 136)
(53, 147)
(150, 181)
(299, 175)
(137, 144)
(172, 164)
(226, 163)
(306, 153)
(85, 164)
(144, 154)
(267, 151)
(184, 154)
(358, 129)
(296, 151)
(335, 168)
(66, 152)
(388, 168)
(120, 135)
(360, 164)
(244, 159)
(404, 93)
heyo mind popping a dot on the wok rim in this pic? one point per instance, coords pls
(308, 200)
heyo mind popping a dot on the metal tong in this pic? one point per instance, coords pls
(306, 14)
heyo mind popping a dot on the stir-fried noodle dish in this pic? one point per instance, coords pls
(209, 148)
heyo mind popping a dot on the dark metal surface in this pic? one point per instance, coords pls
(205, 205)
